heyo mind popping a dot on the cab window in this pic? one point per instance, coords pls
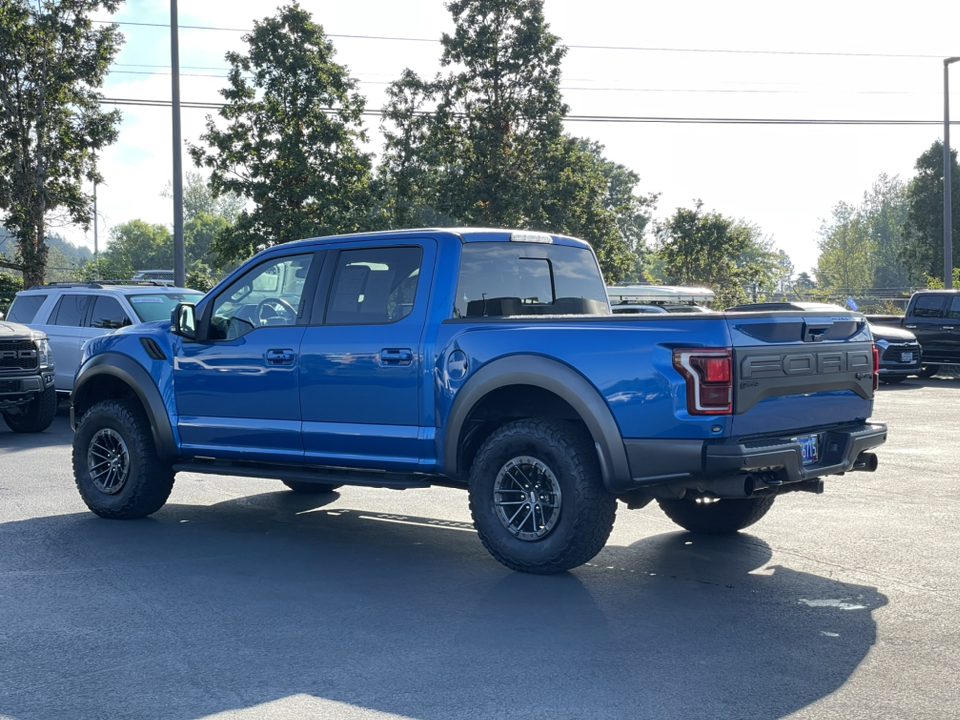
(268, 295)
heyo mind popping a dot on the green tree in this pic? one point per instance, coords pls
(484, 144)
(290, 145)
(845, 260)
(705, 248)
(885, 209)
(923, 248)
(134, 245)
(52, 60)
(199, 199)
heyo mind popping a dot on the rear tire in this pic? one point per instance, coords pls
(302, 486)
(720, 517)
(115, 462)
(928, 371)
(892, 380)
(537, 498)
(35, 416)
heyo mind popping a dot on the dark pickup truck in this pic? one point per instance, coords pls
(934, 317)
(28, 400)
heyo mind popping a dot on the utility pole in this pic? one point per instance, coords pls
(947, 182)
(179, 275)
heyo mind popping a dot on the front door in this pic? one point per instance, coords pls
(238, 386)
(362, 368)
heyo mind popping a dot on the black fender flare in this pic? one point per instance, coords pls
(554, 377)
(134, 376)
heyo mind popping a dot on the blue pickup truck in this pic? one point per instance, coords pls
(482, 359)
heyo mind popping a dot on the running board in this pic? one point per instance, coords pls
(331, 476)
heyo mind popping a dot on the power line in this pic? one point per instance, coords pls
(593, 118)
(565, 88)
(629, 48)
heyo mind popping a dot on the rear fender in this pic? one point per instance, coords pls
(563, 382)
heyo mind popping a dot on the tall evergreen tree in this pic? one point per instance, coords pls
(291, 141)
(52, 62)
(484, 144)
(923, 251)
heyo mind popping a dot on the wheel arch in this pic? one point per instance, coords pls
(112, 375)
(540, 375)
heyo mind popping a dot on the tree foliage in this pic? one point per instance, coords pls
(289, 145)
(861, 245)
(923, 249)
(199, 199)
(701, 248)
(52, 60)
(484, 144)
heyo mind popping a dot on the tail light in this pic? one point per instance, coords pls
(709, 376)
(876, 369)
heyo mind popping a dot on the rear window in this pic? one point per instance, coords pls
(24, 308)
(516, 278)
(158, 306)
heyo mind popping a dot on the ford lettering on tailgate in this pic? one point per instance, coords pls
(764, 372)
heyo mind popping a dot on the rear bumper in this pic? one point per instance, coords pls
(665, 462)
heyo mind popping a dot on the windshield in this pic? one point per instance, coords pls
(158, 306)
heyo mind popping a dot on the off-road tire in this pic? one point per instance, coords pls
(721, 517)
(303, 486)
(893, 380)
(585, 510)
(928, 371)
(148, 480)
(35, 416)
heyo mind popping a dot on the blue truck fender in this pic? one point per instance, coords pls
(124, 369)
(562, 381)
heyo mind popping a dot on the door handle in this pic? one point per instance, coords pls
(948, 327)
(279, 357)
(396, 356)
(911, 327)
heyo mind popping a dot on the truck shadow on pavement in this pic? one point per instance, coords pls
(279, 605)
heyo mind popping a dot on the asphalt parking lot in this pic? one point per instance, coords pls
(240, 599)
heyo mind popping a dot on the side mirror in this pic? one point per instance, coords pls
(183, 321)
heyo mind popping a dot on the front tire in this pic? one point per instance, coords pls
(719, 517)
(302, 486)
(35, 416)
(537, 498)
(115, 462)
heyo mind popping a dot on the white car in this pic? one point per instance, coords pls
(70, 314)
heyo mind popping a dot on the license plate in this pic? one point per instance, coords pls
(906, 357)
(809, 448)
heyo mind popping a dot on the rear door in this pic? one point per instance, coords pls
(64, 328)
(795, 370)
(362, 368)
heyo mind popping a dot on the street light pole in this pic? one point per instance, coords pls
(178, 263)
(947, 182)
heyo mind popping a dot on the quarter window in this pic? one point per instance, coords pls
(24, 308)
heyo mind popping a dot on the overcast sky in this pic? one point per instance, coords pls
(839, 60)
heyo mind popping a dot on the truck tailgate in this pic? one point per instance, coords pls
(795, 370)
